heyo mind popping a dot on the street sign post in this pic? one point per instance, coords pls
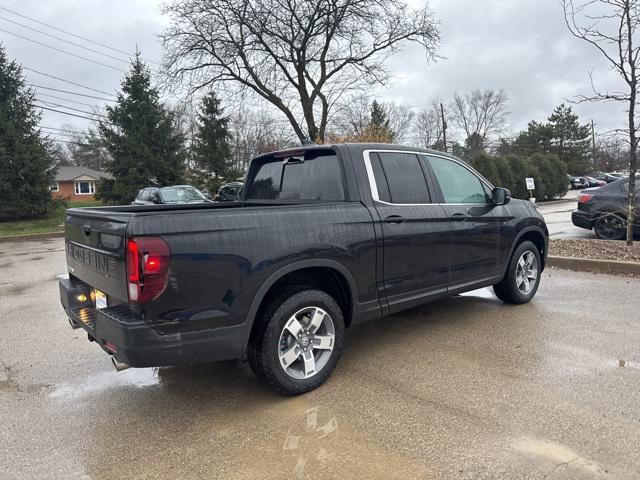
(531, 186)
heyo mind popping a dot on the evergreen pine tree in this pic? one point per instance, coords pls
(562, 136)
(572, 140)
(26, 159)
(379, 124)
(141, 137)
(211, 150)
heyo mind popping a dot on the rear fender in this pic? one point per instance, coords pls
(278, 274)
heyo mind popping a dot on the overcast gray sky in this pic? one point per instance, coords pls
(521, 46)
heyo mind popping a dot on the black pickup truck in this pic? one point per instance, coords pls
(323, 237)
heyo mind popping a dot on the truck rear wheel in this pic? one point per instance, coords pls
(521, 281)
(298, 341)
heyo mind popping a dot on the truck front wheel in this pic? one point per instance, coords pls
(521, 281)
(297, 342)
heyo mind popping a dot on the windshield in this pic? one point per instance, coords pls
(181, 195)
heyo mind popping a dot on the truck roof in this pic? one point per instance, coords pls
(351, 146)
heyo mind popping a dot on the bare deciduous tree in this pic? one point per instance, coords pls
(254, 133)
(480, 113)
(299, 55)
(611, 26)
(428, 130)
(611, 153)
(400, 121)
(352, 118)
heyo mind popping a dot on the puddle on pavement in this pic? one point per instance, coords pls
(135, 377)
(318, 441)
(558, 454)
(628, 364)
(480, 293)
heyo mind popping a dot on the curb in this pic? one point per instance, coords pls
(558, 202)
(590, 265)
(32, 236)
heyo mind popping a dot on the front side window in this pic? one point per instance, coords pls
(457, 183)
(399, 178)
(312, 175)
(85, 188)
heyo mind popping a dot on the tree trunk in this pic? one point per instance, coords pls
(633, 158)
(633, 163)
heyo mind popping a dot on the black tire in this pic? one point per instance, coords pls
(507, 290)
(264, 344)
(610, 227)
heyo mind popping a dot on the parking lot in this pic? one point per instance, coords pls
(557, 216)
(463, 388)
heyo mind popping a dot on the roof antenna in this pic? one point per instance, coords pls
(308, 141)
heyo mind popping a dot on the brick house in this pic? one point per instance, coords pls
(76, 183)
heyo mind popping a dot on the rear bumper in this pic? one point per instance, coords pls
(122, 333)
(581, 219)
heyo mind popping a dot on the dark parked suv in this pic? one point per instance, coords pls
(169, 195)
(604, 210)
(229, 192)
(323, 237)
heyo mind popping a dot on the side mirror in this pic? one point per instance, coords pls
(500, 196)
(156, 199)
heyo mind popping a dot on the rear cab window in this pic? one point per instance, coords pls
(309, 175)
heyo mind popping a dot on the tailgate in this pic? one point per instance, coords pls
(95, 246)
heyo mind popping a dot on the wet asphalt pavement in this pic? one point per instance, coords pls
(463, 388)
(557, 215)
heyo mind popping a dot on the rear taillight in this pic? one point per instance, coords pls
(147, 268)
(584, 197)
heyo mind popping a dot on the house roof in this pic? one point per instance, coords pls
(67, 174)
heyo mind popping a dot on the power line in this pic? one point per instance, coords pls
(71, 108)
(60, 50)
(74, 35)
(63, 40)
(61, 129)
(71, 93)
(66, 113)
(66, 81)
(68, 135)
(71, 142)
(65, 99)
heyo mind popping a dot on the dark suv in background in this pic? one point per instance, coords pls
(604, 210)
(229, 192)
(169, 195)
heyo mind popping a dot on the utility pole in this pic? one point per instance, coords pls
(444, 128)
(593, 145)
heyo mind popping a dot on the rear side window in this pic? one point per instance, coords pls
(457, 183)
(625, 187)
(399, 178)
(313, 175)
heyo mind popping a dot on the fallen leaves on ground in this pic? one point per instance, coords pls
(596, 249)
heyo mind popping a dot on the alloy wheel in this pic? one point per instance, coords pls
(527, 272)
(306, 342)
(610, 227)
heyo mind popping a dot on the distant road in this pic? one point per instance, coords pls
(557, 214)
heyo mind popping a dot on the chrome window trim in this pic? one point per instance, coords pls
(374, 187)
